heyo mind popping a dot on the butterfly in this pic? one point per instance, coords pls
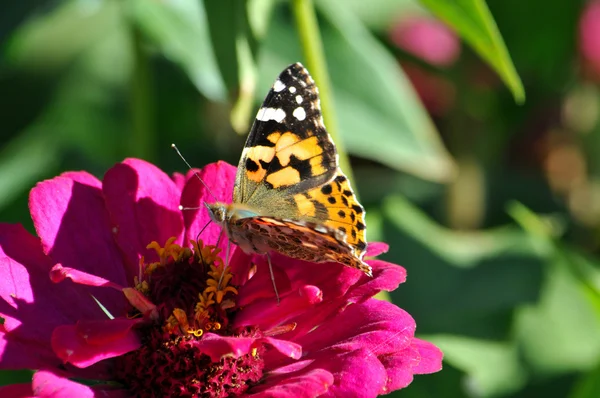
(290, 195)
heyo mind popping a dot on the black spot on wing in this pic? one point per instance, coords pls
(357, 208)
(360, 226)
(302, 166)
(361, 245)
(331, 200)
(251, 165)
(265, 165)
(326, 189)
(342, 214)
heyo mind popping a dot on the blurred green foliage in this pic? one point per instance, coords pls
(492, 206)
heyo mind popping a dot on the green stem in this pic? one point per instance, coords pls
(312, 47)
(143, 135)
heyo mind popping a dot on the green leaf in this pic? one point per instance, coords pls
(379, 114)
(466, 271)
(493, 368)
(474, 22)
(588, 386)
(47, 42)
(236, 28)
(24, 160)
(560, 333)
(461, 249)
(180, 30)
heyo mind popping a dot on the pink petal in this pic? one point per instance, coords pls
(20, 353)
(71, 220)
(58, 273)
(386, 277)
(333, 279)
(399, 368)
(266, 313)
(135, 298)
(88, 342)
(143, 205)
(421, 357)
(287, 348)
(431, 357)
(31, 304)
(253, 276)
(376, 248)
(260, 285)
(179, 180)
(376, 325)
(358, 374)
(216, 346)
(219, 177)
(17, 391)
(50, 385)
(309, 384)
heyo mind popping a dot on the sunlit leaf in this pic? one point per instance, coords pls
(47, 42)
(24, 160)
(180, 29)
(492, 368)
(563, 320)
(474, 22)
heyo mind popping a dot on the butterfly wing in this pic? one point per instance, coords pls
(303, 240)
(288, 149)
(289, 167)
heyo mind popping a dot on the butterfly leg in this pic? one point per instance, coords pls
(219, 238)
(226, 259)
(272, 277)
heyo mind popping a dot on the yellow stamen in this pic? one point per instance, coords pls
(196, 332)
(213, 283)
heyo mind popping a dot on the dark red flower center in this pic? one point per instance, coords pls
(194, 296)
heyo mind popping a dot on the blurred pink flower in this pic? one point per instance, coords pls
(426, 38)
(589, 39)
(139, 312)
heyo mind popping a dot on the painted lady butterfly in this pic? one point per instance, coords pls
(290, 195)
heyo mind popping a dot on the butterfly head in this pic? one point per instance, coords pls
(217, 211)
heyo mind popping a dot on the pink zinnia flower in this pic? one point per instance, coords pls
(117, 298)
(589, 39)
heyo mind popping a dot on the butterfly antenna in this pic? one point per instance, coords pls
(226, 260)
(196, 174)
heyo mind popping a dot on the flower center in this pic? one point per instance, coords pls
(194, 296)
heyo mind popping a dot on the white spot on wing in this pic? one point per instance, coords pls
(278, 86)
(299, 113)
(299, 99)
(266, 114)
(292, 89)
